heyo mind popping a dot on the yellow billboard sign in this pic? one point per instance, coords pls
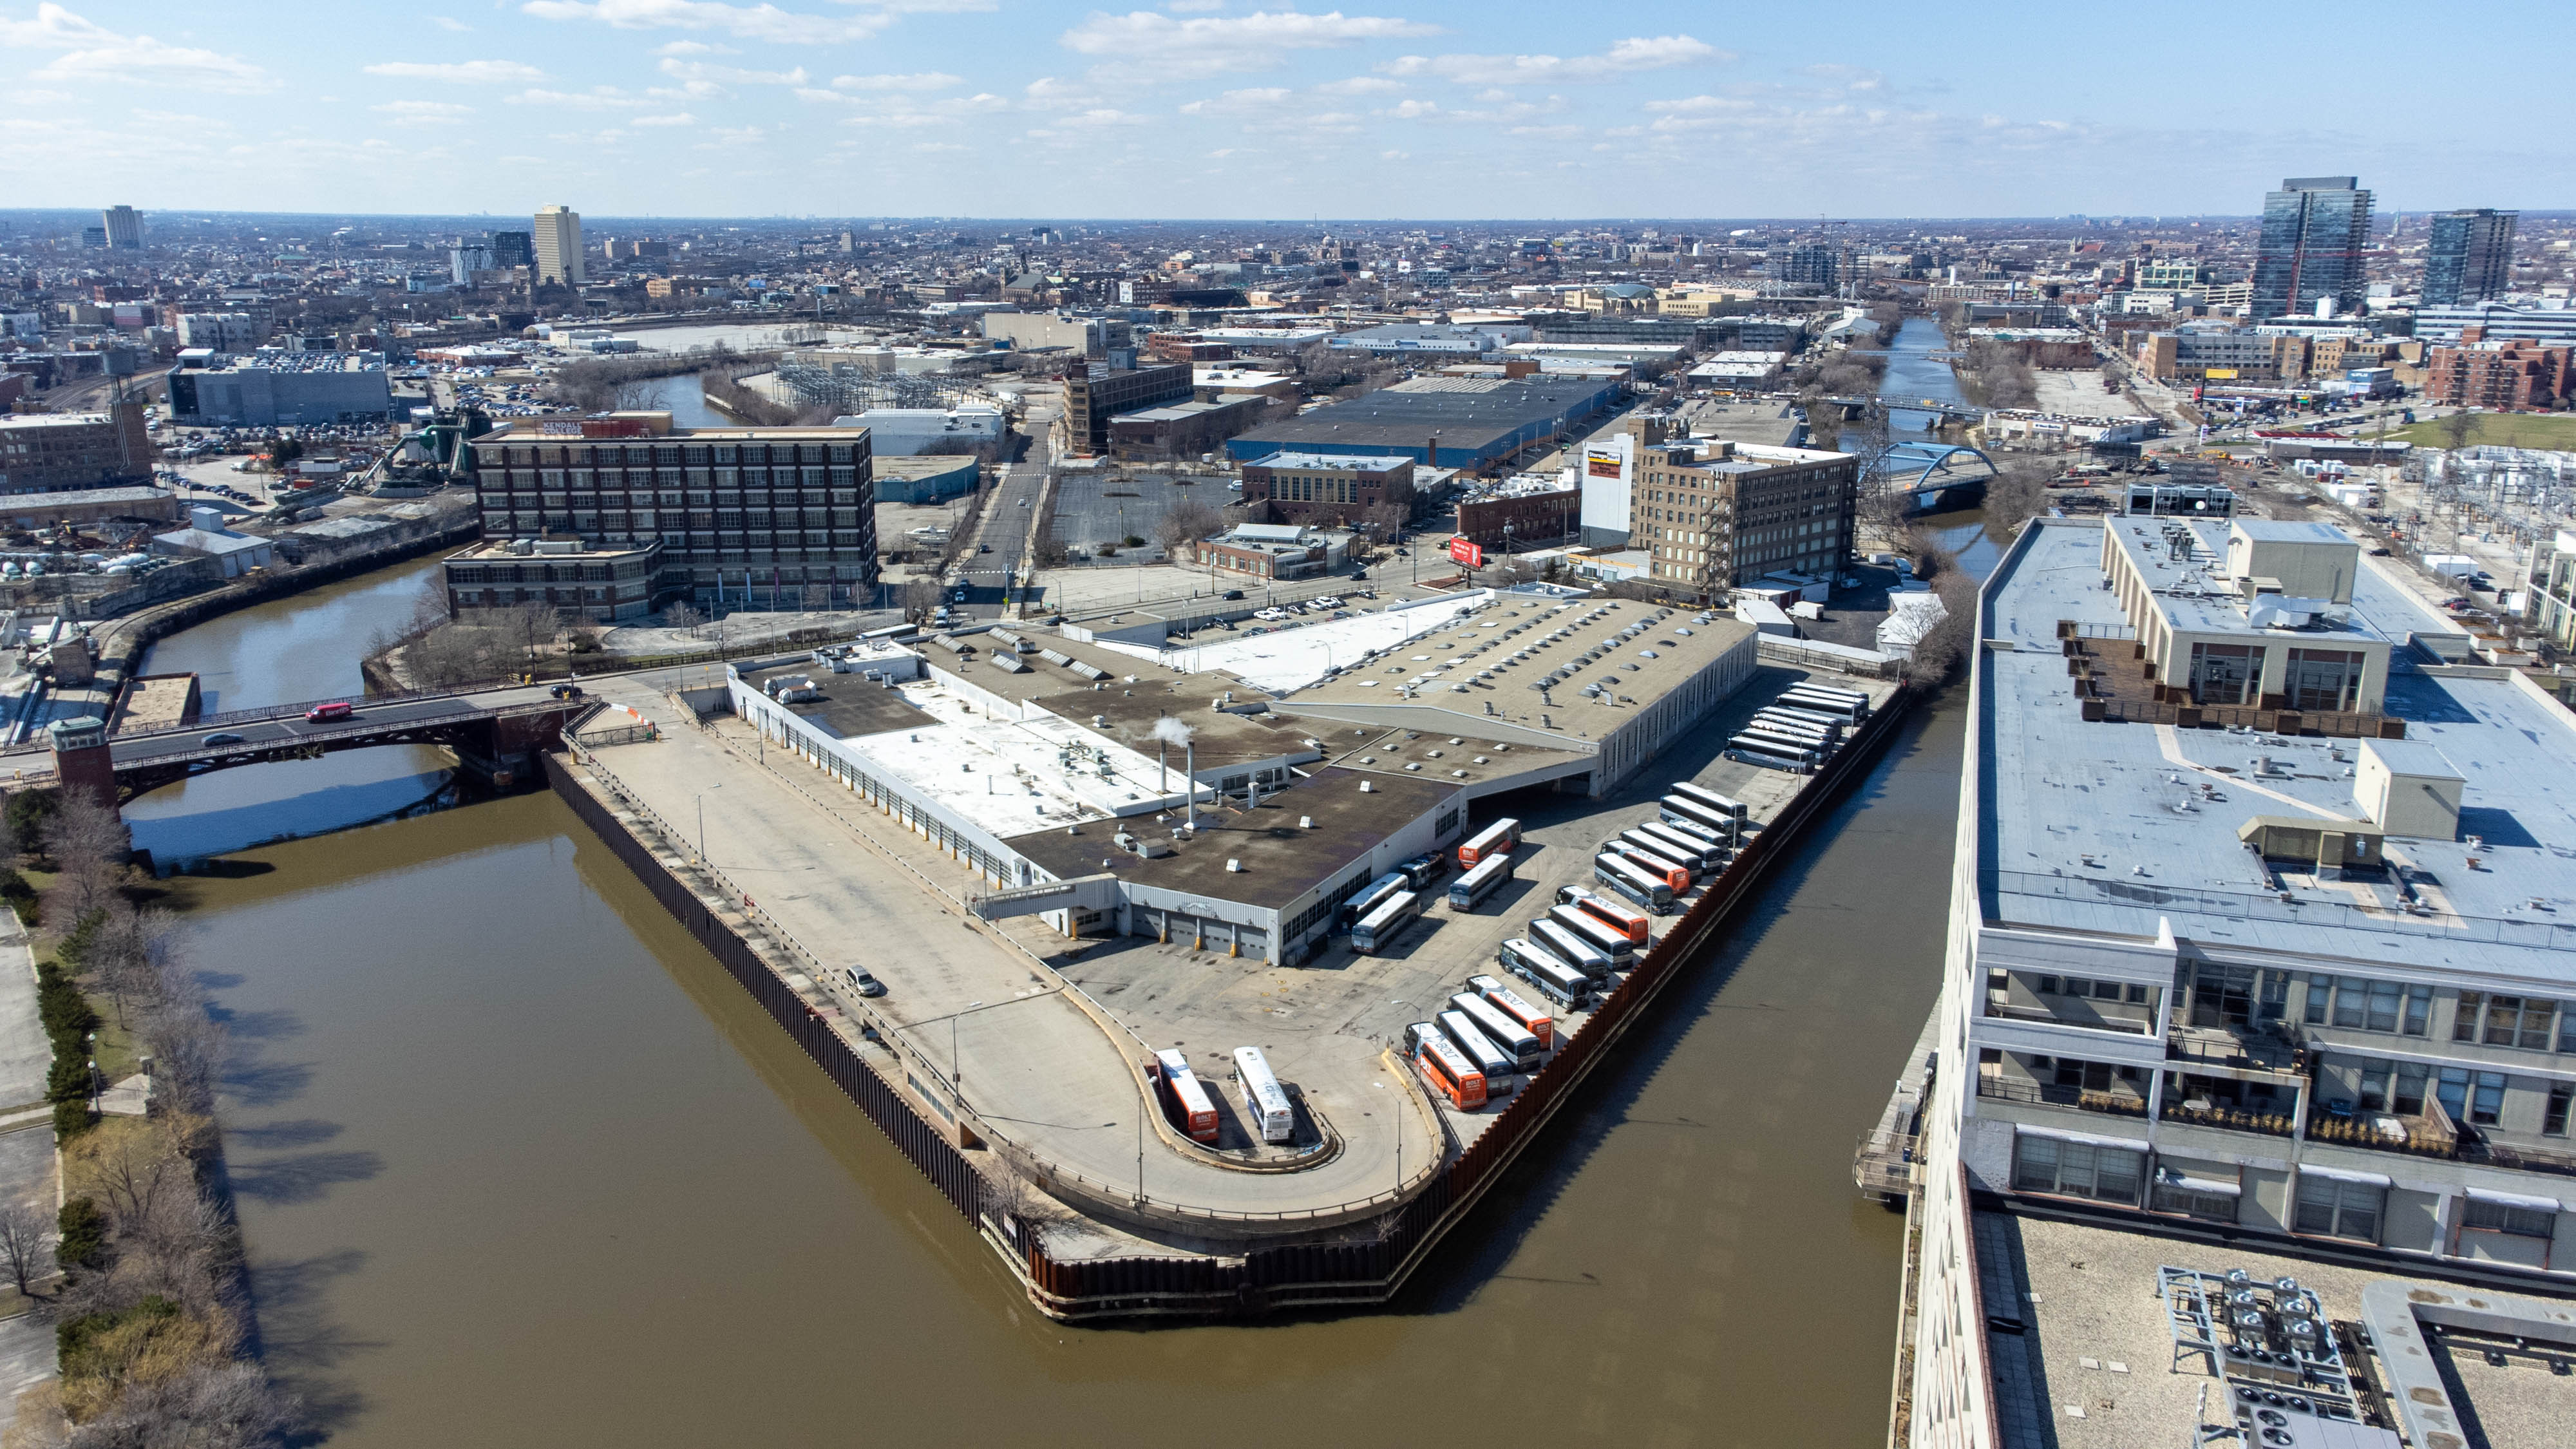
(2220, 374)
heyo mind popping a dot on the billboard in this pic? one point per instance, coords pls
(1602, 463)
(2220, 374)
(1467, 551)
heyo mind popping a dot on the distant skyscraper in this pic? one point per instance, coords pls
(513, 249)
(558, 239)
(2471, 258)
(124, 228)
(464, 261)
(2315, 231)
(1815, 265)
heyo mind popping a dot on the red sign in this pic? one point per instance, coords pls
(1467, 551)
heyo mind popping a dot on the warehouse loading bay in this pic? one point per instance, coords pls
(994, 1003)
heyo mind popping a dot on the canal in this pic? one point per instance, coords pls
(517, 1163)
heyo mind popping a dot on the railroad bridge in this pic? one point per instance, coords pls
(491, 732)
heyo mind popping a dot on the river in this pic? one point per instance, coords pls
(518, 1164)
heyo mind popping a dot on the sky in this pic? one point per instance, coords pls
(1250, 109)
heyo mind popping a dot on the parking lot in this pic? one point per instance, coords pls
(1107, 506)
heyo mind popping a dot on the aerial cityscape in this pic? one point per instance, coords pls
(1889, 706)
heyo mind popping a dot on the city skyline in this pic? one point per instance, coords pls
(1205, 109)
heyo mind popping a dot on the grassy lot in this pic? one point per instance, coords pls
(2507, 430)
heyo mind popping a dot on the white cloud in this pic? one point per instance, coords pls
(1194, 7)
(1358, 85)
(605, 98)
(461, 72)
(1148, 45)
(903, 113)
(1625, 58)
(447, 23)
(694, 47)
(698, 70)
(928, 80)
(681, 118)
(743, 22)
(423, 113)
(94, 53)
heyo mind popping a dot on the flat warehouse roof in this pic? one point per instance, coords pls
(1280, 858)
(2121, 828)
(1409, 415)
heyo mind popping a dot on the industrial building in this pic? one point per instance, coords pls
(1089, 337)
(911, 432)
(57, 452)
(1436, 421)
(275, 388)
(766, 516)
(1518, 513)
(2266, 970)
(1443, 339)
(1323, 488)
(1095, 394)
(82, 506)
(603, 585)
(1179, 429)
(1129, 789)
(1717, 515)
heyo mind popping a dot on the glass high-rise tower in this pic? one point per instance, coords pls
(2316, 230)
(2471, 258)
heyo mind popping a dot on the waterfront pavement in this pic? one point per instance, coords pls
(851, 885)
(26, 1150)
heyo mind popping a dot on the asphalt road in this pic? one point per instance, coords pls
(1003, 524)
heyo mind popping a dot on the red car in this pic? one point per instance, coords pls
(335, 710)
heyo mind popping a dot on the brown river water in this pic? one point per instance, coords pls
(518, 1164)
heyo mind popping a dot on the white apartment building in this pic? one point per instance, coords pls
(557, 235)
(2300, 968)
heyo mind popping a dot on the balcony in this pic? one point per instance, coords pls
(1999, 1008)
(2433, 1134)
(2226, 1047)
(1999, 1088)
(2232, 1119)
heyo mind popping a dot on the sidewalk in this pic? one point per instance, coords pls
(27, 1164)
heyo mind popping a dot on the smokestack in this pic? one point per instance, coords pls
(1190, 788)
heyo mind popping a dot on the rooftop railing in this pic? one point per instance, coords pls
(2226, 905)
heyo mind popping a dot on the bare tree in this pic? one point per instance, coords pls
(683, 617)
(26, 1246)
(88, 845)
(1185, 523)
(920, 596)
(2458, 428)
(534, 624)
(2017, 494)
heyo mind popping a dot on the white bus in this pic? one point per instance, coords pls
(1638, 842)
(1517, 1042)
(1265, 1102)
(1495, 839)
(1773, 754)
(1491, 1064)
(1810, 743)
(1186, 1097)
(1369, 897)
(1697, 852)
(1709, 800)
(1783, 725)
(1817, 717)
(1604, 937)
(1850, 707)
(1445, 1067)
(1709, 836)
(1636, 924)
(1507, 1001)
(1378, 929)
(1628, 880)
(1479, 882)
(1677, 810)
(1571, 949)
(1539, 967)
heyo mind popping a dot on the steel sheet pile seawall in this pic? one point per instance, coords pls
(939, 1160)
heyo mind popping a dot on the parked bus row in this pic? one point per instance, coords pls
(1800, 729)
(1479, 1048)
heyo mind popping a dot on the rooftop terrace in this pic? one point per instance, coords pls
(2122, 828)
